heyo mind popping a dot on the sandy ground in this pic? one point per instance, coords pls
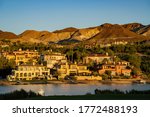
(113, 81)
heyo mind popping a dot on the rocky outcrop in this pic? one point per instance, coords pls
(138, 28)
(133, 26)
(84, 34)
(145, 31)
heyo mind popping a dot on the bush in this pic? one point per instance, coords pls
(22, 94)
(104, 76)
(116, 91)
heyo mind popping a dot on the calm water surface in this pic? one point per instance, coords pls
(73, 89)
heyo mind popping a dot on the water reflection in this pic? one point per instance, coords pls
(71, 89)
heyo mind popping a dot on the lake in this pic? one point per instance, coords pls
(73, 89)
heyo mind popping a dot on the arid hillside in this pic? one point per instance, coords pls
(138, 28)
(7, 35)
(103, 33)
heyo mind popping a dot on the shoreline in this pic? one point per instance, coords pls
(4, 82)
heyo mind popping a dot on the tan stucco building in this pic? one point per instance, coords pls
(53, 58)
(30, 72)
(73, 69)
(22, 56)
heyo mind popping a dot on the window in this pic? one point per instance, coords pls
(17, 74)
(29, 74)
(73, 66)
(63, 66)
(21, 74)
(31, 68)
(25, 69)
(37, 73)
(25, 74)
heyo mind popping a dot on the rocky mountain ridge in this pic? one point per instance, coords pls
(105, 32)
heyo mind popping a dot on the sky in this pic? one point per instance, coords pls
(19, 15)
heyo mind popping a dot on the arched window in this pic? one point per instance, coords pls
(25, 74)
(17, 74)
(21, 74)
(29, 74)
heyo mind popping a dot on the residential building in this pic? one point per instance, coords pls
(98, 58)
(73, 69)
(53, 58)
(119, 42)
(10, 56)
(30, 72)
(119, 68)
(27, 53)
(22, 56)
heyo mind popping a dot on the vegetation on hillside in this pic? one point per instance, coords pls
(137, 54)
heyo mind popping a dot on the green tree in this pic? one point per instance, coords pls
(70, 54)
(100, 51)
(135, 60)
(4, 63)
(104, 76)
(145, 65)
(95, 73)
(118, 48)
(6, 66)
(110, 52)
(134, 71)
(130, 49)
(105, 60)
(116, 59)
(108, 72)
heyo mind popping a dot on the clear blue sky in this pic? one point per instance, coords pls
(19, 15)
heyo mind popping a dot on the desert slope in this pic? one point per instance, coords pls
(105, 32)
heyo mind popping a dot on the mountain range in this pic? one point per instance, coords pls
(103, 33)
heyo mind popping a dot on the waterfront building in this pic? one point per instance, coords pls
(73, 69)
(30, 72)
(119, 68)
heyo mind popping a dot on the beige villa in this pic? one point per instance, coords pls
(22, 56)
(80, 71)
(30, 72)
(73, 69)
(53, 58)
